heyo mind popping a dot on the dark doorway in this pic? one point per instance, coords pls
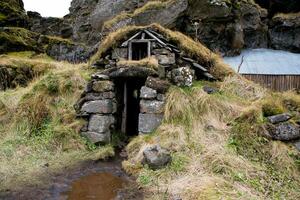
(128, 110)
(139, 50)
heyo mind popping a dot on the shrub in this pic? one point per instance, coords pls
(272, 107)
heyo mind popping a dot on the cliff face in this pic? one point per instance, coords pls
(224, 26)
(88, 16)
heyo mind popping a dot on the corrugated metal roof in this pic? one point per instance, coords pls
(266, 61)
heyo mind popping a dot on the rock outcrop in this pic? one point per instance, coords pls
(226, 26)
(12, 13)
(285, 32)
(20, 39)
(49, 25)
(12, 76)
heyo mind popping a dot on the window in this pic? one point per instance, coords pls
(139, 50)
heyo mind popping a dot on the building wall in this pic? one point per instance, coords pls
(276, 82)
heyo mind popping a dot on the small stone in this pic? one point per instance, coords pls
(161, 97)
(105, 106)
(149, 122)
(148, 106)
(157, 84)
(166, 59)
(210, 90)
(100, 77)
(103, 86)
(148, 93)
(275, 119)
(156, 157)
(102, 138)
(183, 76)
(100, 123)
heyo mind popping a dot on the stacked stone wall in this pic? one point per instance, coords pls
(98, 106)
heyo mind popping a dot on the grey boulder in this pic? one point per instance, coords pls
(210, 90)
(284, 131)
(156, 157)
(97, 138)
(275, 119)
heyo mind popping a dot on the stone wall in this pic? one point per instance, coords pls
(98, 106)
(152, 105)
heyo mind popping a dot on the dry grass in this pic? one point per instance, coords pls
(150, 62)
(194, 49)
(38, 123)
(287, 16)
(216, 146)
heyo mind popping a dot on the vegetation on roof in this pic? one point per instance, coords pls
(287, 15)
(191, 48)
(150, 62)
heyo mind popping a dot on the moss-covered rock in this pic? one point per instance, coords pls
(12, 13)
(19, 39)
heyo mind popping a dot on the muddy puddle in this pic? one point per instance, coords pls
(88, 181)
(100, 186)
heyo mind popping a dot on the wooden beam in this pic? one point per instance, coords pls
(125, 44)
(156, 38)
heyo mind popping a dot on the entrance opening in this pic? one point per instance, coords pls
(128, 105)
(139, 50)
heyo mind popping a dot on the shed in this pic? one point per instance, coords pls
(274, 69)
(135, 68)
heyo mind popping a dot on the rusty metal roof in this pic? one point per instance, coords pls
(266, 61)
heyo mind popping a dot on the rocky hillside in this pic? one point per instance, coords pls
(226, 27)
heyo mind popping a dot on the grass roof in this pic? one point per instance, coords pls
(191, 48)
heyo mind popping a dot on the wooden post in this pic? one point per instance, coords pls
(125, 109)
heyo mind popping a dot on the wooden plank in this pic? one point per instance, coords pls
(125, 44)
(156, 38)
(125, 110)
(276, 82)
(199, 67)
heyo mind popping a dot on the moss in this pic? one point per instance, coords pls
(151, 63)
(18, 39)
(271, 107)
(2, 17)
